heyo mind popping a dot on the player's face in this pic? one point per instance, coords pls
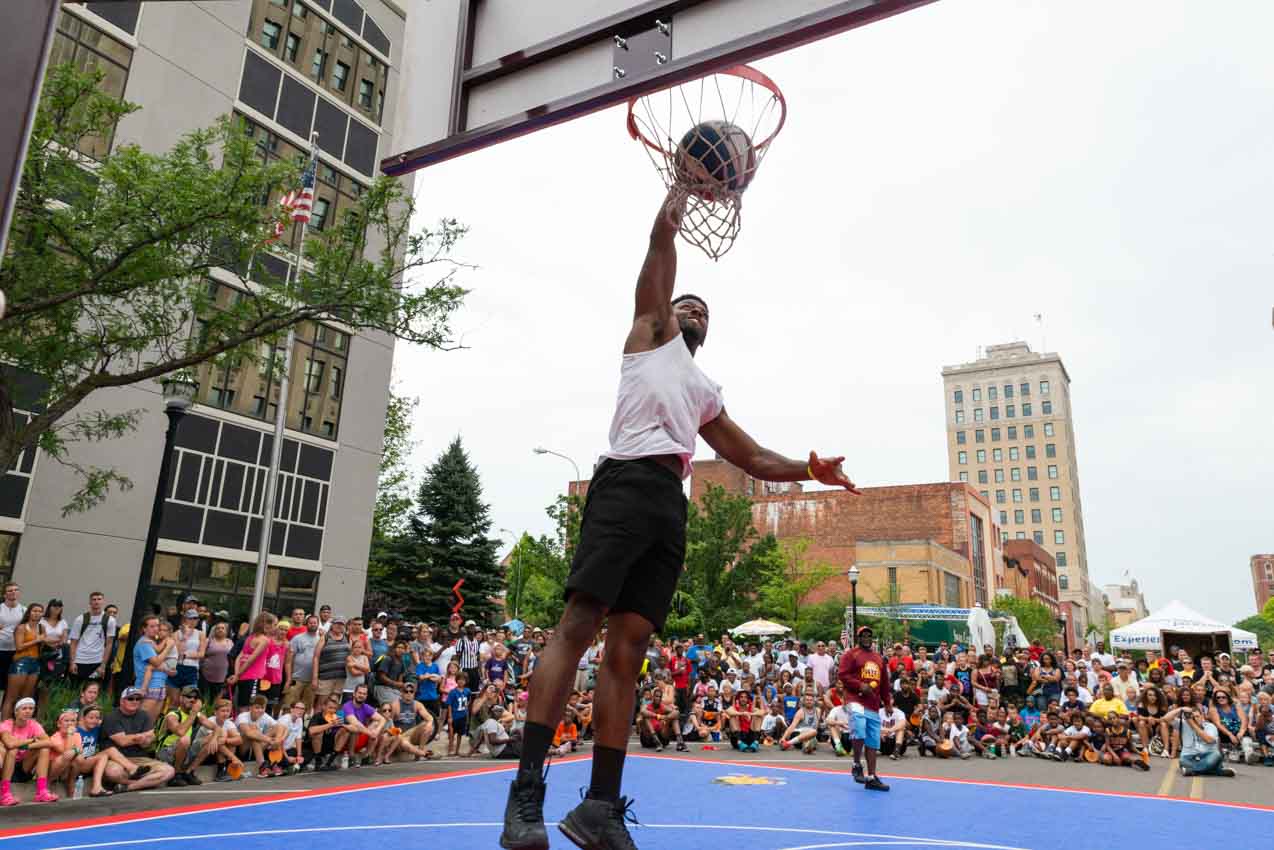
(692, 318)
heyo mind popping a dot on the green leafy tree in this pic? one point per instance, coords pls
(106, 275)
(538, 567)
(1268, 611)
(1261, 626)
(785, 591)
(1035, 619)
(824, 620)
(393, 505)
(445, 541)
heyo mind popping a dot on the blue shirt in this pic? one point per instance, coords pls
(89, 739)
(379, 648)
(426, 689)
(791, 703)
(458, 702)
(143, 651)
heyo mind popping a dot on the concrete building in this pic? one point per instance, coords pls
(933, 543)
(1262, 567)
(288, 67)
(1010, 435)
(1037, 571)
(1125, 603)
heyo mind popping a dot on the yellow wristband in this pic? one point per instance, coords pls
(810, 472)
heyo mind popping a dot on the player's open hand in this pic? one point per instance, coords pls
(827, 470)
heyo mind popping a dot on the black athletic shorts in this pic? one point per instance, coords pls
(632, 543)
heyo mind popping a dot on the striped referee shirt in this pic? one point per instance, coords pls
(467, 651)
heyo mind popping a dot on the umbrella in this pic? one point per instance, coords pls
(981, 632)
(760, 628)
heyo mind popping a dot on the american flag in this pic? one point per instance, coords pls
(303, 203)
(280, 227)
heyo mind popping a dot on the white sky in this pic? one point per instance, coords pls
(943, 176)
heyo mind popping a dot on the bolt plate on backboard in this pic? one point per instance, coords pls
(643, 51)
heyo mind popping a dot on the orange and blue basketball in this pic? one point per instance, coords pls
(715, 156)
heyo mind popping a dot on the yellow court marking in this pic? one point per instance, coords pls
(1169, 779)
(1196, 788)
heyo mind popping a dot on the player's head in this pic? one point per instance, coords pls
(865, 637)
(691, 313)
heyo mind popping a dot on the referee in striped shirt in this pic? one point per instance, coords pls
(469, 655)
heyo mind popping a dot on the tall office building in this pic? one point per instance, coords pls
(1010, 435)
(288, 67)
(1262, 579)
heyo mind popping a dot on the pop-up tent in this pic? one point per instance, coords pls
(760, 628)
(1176, 625)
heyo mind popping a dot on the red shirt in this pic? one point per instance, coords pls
(863, 667)
(895, 663)
(680, 667)
(295, 630)
(745, 720)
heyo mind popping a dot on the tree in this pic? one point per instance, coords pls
(539, 566)
(785, 592)
(445, 541)
(107, 271)
(1261, 626)
(1035, 619)
(393, 483)
(1268, 611)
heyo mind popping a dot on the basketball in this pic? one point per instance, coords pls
(715, 155)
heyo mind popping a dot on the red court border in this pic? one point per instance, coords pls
(195, 808)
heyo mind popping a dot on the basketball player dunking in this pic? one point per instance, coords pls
(632, 546)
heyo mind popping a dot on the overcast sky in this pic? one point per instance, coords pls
(944, 175)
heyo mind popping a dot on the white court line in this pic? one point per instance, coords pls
(901, 840)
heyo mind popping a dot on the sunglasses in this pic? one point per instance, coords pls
(131, 699)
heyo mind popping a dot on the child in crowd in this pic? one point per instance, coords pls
(458, 717)
(1043, 739)
(566, 738)
(958, 734)
(1074, 738)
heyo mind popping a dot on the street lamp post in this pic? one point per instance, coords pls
(540, 450)
(179, 395)
(853, 604)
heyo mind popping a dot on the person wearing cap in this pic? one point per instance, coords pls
(416, 724)
(1125, 683)
(25, 750)
(178, 744)
(191, 646)
(327, 678)
(325, 618)
(866, 678)
(469, 654)
(131, 730)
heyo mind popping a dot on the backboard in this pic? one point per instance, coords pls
(480, 72)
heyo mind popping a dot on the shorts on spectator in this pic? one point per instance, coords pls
(185, 676)
(245, 690)
(26, 666)
(299, 691)
(867, 728)
(156, 694)
(460, 725)
(385, 693)
(324, 688)
(168, 754)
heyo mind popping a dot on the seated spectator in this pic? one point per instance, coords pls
(838, 729)
(1232, 726)
(1073, 741)
(25, 749)
(88, 695)
(416, 724)
(1200, 751)
(774, 724)
(1108, 704)
(133, 732)
(744, 717)
(1119, 750)
(177, 742)
(228, 742)
(362, 726)
(262, 734)
(75, 753)
(958, 735)
(803, 730)
(566, 736)
(893, 732)
(1043, 739)
(501, 744)
(293, 723)
(323, 729)
(390, 739)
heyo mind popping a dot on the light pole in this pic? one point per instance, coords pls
(517, 568)
(853, 604)
(540, 450)
(179, 395)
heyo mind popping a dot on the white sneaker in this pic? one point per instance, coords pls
(344, 762)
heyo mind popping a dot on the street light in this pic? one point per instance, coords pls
(179, 394)
(853, 603)
(540, 450)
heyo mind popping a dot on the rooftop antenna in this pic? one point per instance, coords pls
(1039, 320)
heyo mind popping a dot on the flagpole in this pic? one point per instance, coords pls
(280, 422)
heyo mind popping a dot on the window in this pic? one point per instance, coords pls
(1004, 517)
(1030, 452)
(977, 394)
(1038, 537)
(1026, 390)
(999, 476)
(1028, 431)
(997, 455)
(1061, 562)
(321, 208)
(979, 436)
(319, 67)
(981, 455)
(340, 76)
(1063, 582)
(314, 375)
(985, 495)
(1015, 474)
(1055, 494)
(1059, 537)
(1032, 473)
(1052, 470)
(280, 3)
(964, 475)
(995, 435)
(365, 91)
(1034, 494)
(995, 413)
(1013, 453)
(982, 476)
(293, 46)
(1008, 391)
(1019, 517)
(1035, 516)
(1046, 408)
(1017, 496)
(1043, 387)
(951, 587)
(300, 11)
(958, 396)
(1026, 408)
(1057, 514)
(977, 414)
(1012, 432)
(990, 393)
(338, 378)
(1000, 497)
(959, 417)
(270, 33)
(1050, 450)
(962, 458)
(960, 438)
(1048, 429)
(1004, 537)
(1021, 535)
(228, 585)
(329, 429)
(1009, 411)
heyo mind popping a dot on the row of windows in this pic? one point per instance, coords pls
(997, 455)
(992, 392)
(89, 49)
(1015, 474)
(1028, 432)
(1036, 519)
(1054, 495)
(1010, 412)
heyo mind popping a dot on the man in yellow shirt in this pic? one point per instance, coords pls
(1107, 704)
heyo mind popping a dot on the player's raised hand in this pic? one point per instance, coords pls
(827, 470)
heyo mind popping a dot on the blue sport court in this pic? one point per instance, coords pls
(684, 803)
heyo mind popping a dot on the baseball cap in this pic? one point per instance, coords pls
(192, 614)
(340, 620)
(862, 629)
(131, 693)
(190, 691)
(468, 623)
(190, 599)
(382, 616)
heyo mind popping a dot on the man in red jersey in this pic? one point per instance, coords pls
(866, 679)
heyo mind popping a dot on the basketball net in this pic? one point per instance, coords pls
(741, 96)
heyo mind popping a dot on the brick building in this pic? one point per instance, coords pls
(1262, 579)
(1037, 571)
(938, 537)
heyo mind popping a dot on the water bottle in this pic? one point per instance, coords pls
(79, 789)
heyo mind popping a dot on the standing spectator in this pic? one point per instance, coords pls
(378, 643)
(820, 665)
(428, 681)
(249, 666)
(191, 645)
(986, 680)
(55, 655)
(26, 753)
(92, 641)
(298, 664)
(132, 731)
(298, 623)
(469, 654)
(357, 666)
(458, 714)
(275, 655)
(331, 653)
(168, 640)
(325, 618)
(148, 660)
(214, 668)
(24, 671)
(11, 613)
(262, 734)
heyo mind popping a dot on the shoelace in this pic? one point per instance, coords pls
(622, 812)
(530, 802)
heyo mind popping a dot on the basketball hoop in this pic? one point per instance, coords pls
(706, 138)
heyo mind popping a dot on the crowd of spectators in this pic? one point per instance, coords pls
(320, 692)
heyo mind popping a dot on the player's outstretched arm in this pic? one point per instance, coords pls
(653, 322)
(735, 445)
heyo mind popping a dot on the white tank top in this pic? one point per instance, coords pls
(664, 399)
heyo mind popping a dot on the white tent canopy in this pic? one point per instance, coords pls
(1148, 633)
(760, 628)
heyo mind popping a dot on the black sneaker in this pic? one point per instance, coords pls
(178, 781)
(524, 814)
(1226, 771)
(222, 775)
(600, 824)
(191, 779)
(858, 774)
(874, 784)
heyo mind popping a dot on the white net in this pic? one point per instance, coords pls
(706, 138)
